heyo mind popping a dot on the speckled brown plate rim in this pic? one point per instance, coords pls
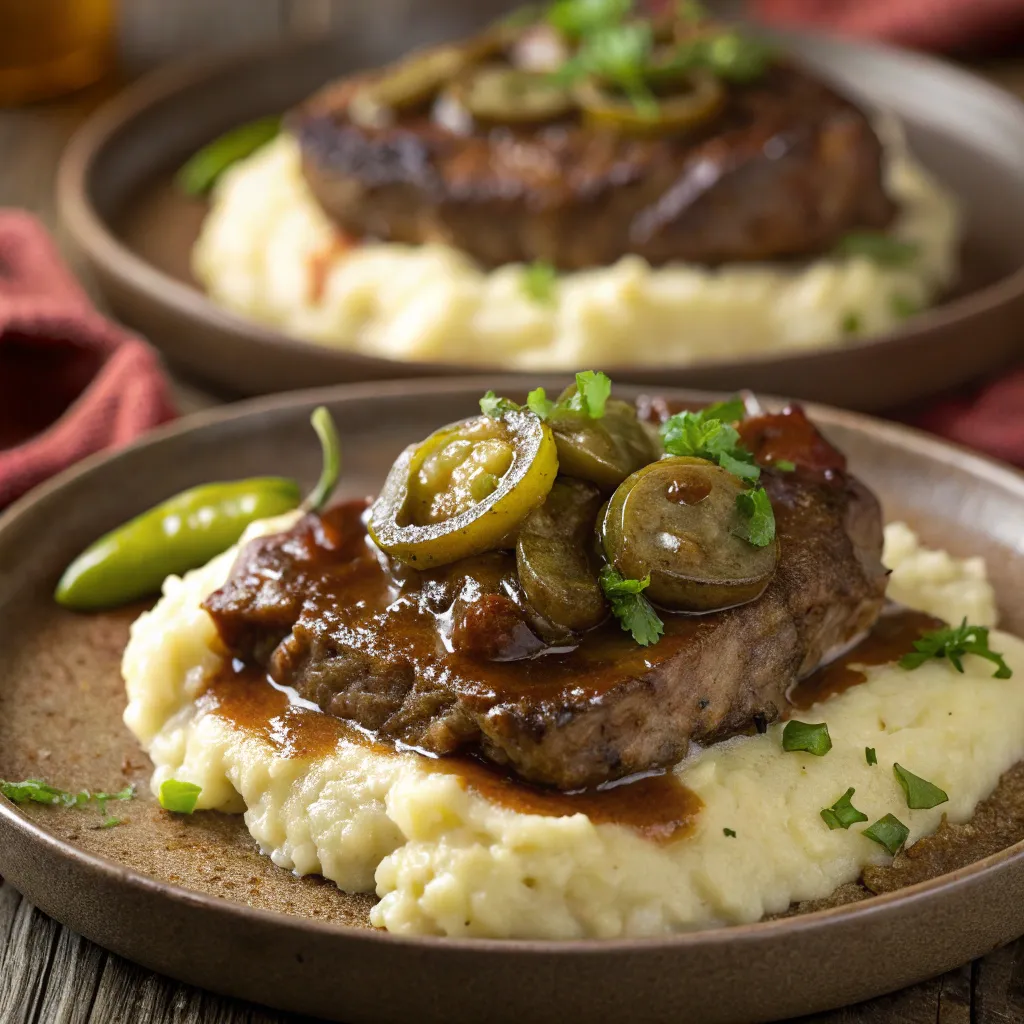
(927, 891)
(93, 234)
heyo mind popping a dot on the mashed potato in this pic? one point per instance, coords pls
(446, 861)
(267, 250)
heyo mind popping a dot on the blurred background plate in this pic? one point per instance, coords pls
(135, 231)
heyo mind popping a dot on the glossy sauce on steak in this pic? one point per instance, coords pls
(785, 170)
(452, 660)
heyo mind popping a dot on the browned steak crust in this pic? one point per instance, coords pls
(786, 170)
(314, 606)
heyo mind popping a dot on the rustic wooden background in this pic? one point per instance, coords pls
(50, 975)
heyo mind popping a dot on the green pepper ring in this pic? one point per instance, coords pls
(488, 523)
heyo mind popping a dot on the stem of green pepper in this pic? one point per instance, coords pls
(330, 444)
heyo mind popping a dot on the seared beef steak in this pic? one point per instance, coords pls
(785, 170)
(435, 660)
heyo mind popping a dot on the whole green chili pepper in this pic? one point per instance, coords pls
(201, 171)
(182, 533)
(186, 531)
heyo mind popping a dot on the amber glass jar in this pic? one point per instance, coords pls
(50, 47)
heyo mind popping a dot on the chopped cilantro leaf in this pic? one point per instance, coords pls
(784, 465)
(539, 281)
(877, 247)
(814, 739)
(842, 814)
(180, 797)
(110, 822)
(634, 612)
(580, 17)
(756, 508)
(539, 404)
(904, 306)
(729, 832)
(889, 832)
(920, 794)
(851, 323)
(494, 407)
(593, 389)
(587, 398)
(40, 792)
(953, 642)
(870, 756)
(731, 411)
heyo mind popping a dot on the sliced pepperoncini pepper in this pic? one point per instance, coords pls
(554, 556)
(677, 520)
(697, 97)
(606, 450)
(465, 489)
(416, 79)
(504, 95)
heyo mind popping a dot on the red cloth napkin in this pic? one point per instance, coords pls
(928, 24)
(71, 382)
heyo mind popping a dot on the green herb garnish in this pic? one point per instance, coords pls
(39, 792)
(851, 323)
(842, 814)
(904, 306)
(889, 832)
(539, 281)
(729, 832)
(201, 171)
(756, 508)
(814, 739)
(954, 642)
(593, 389)
(577, 18)
(179, 797)
(707, 434)
(920, 794)
(870, 756)
(619, 55)
(878, 247)
(784, 465)
(494, 407)
(702, 435)
(330, 447)
(634, 612)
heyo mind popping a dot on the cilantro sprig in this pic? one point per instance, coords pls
(709, 434)
(38, 791)
(954, 643)
(589, 398)
(576, 18)
(634, 612)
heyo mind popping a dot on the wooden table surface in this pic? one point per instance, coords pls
(50, 975)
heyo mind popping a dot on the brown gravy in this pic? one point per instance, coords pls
(657, 806)
(893, 635)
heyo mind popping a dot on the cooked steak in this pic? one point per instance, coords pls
(785, 170)
(452, 660)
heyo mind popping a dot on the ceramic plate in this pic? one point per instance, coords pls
(136, 231)
(192, 897)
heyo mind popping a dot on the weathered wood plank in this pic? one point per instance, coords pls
(25, 959)
(73, 981)
(998, 991)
